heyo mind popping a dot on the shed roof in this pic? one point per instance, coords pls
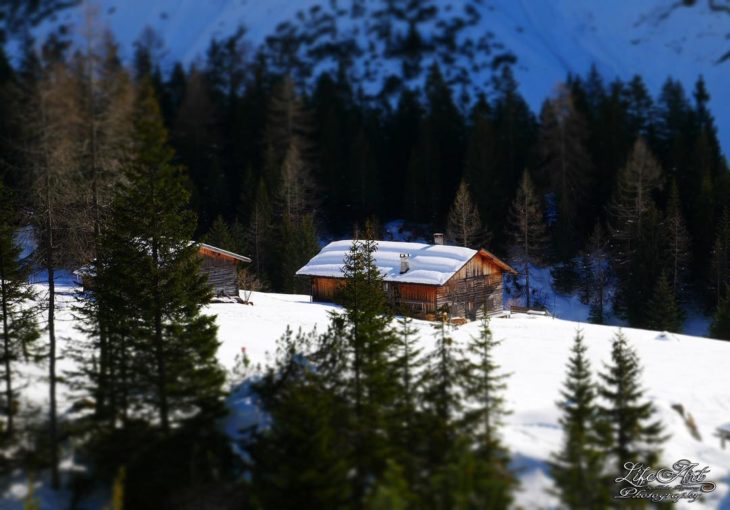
(430, 264)
(224, 253)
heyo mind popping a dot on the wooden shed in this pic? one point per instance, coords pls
(420, 278)
(221, 267)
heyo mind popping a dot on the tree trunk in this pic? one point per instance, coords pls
(55, 482)
(159, 347)
(6, 347)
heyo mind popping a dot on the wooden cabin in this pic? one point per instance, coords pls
(420, 278)
(221, 267)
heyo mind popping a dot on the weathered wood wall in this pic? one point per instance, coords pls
(416, 299)
(476, 286)
(222, 275)
(326, 288)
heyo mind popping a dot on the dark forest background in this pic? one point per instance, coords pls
(276, 168)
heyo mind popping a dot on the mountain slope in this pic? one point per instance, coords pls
(379, 39)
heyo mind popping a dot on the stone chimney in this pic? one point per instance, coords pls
(404, 263)
(438, 238)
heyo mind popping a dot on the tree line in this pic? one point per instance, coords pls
(626, 189)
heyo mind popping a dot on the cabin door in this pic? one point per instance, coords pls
(471, 312)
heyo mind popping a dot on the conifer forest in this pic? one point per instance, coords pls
(574, 255)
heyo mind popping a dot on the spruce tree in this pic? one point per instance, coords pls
(407, 438)
(18, 324)
(632, 433)
(567, 165)
(484, 388)
(173, 342)
(299, 245)
(720, 266)
(447, 126)
(516, 131)
(392, 491)
(364, 190)
(223, 235)
(422, 188)
(595, 274)
(640, 109)
(663, 310)
(528, 232)
(301, 459)
(578, 468)
(480, 168)
(368, 348)
(720, 327)
(257, 233)
(442, 403)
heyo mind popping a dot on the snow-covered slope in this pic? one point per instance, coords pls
(548, 38)
(678, 369)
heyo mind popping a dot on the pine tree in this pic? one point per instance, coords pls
(172, 342)
(632, 199)
(447, 124)
(516, 131)
(442, 403)
(632, 432)
(480, 168)
(104, 95)
(720, 268)
(465, 226)
(18, 326)
(663, 311)
(720, 327)
(484, 388)
(640, 109)
(300, 245)
(528, 231)
(288, 148)
(578, 468)
(678, 245)
(365, 335)
(257, 238)
(392, 491)
(224, 236)
(405, 430)
(302, 459)
(364, 189)
(595, 274)
(567, 165)
(49, 120)
(422, 189)
(637, 235)
(287, 173)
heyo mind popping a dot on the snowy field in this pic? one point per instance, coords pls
(679, 369)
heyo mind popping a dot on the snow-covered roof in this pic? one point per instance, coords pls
(430, 264)
(225, 253)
